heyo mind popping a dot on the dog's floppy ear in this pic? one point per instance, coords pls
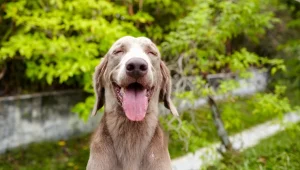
(98, 85)
(166, 88)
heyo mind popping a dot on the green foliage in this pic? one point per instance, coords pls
(165, 14)
(289, 50)
(272, 103)
(84, 108)
(61, 41)
(219, 43)
(64, 39)
(211, 47)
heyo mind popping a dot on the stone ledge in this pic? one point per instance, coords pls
(28, 96)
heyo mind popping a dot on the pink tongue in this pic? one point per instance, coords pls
(135, 104)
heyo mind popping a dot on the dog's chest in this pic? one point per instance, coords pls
(130, 141)
(130, 152)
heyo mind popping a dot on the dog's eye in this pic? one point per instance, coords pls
(152, 53)
(118, 52)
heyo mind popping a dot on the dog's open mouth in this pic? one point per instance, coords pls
(134, 99)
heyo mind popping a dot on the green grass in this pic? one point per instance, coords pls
(73, 154)
(70, 154)
(279, 152)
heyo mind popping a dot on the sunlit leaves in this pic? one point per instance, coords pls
(204, 34)
(60, 40)
(266, 104)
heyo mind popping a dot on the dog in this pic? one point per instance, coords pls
(130, 81)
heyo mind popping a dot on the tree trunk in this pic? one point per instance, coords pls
(219, 125)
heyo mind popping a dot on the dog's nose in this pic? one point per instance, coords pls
(136, 67)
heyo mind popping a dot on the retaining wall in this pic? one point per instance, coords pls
(36, 117)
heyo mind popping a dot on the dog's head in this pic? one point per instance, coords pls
(132, 77)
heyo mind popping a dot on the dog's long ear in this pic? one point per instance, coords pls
(98, 85)
(166, 88)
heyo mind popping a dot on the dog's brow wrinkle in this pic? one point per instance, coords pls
(119, 45)
(152, 48)
(152, 45)
(153, 69)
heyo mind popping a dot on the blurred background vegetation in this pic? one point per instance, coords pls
(51, 45)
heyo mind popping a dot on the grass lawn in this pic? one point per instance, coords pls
(70, 154)
(279, 152)
(73, 153)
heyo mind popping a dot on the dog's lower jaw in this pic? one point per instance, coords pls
(136, 137)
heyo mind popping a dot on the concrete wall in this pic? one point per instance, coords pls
(257, 82)
(36, 117)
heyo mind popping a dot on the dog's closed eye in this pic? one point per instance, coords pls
(118, 51)
(152, 53)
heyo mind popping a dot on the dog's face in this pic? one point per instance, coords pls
(132, 75)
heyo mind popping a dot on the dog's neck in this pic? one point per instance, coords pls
(130, 139)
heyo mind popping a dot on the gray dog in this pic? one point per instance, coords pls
(130, 81)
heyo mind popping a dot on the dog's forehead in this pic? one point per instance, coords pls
(130, 41)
